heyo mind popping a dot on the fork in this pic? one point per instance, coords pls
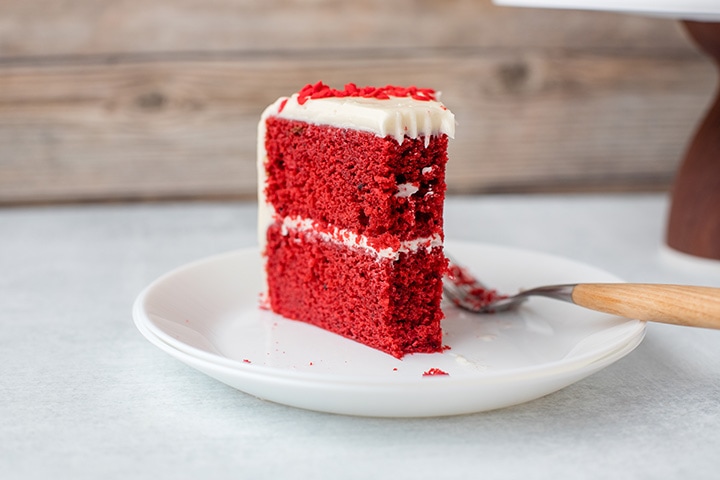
(674, 304)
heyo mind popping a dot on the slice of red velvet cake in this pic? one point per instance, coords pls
(351, 191)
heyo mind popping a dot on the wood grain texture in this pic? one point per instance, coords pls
(98, 27)
(694, 224)
(675, 304)
(103, 100)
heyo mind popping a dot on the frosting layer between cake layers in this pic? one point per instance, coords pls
(351, 239)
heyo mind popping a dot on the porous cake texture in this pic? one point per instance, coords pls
(351, 193)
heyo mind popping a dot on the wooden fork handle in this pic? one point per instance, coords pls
(675, 304)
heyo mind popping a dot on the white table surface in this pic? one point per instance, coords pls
(84, 395)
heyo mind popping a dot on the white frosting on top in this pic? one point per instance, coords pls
(396, 116)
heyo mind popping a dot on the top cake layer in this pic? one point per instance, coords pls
(367, 161)
(398, 112)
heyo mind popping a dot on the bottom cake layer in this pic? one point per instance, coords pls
(390, 305)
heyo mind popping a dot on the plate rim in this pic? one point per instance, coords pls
(402, 401)
(141, 318)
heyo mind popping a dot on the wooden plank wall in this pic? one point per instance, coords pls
(128, 99)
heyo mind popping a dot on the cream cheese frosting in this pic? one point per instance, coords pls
(353, 240)
(397, 117)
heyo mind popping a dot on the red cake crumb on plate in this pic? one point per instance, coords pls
(351, 190)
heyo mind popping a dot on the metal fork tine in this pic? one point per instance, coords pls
(469, 293)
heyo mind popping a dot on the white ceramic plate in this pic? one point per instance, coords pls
(206, 314)
(700, 10)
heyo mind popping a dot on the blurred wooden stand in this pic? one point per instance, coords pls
(694, 224)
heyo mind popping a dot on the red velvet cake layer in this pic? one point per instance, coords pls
(349, 178)
(354, 233)
(393, 306)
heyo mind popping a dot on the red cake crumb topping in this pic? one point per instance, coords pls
(320, 90)
(434, 372)
(480, 296)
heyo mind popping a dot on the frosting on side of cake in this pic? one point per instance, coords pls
(266, 212)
